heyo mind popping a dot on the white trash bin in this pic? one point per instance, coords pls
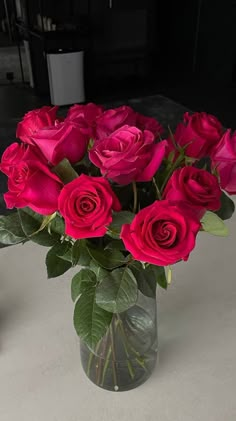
(66, 77)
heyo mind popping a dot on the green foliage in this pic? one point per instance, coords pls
(227, 207)
(56, 265)
(119, 219)
(214, 225)
(65, 251)
(90, 321)
(75, 253)
(148, 278)
(57, 225)
(31, 223)
(115, 245)
(159, 275)
(45, 222)
(108, 259)
(65, 171)
(10, 230)
(100, 272)
(72, 252)
(118, 291)
(82, 281)
(84, 258)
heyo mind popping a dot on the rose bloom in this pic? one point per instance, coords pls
(128, 155)
(86, 203)
(200, 131)
(32, 184)
(62, 141)
(224, 159)
(162, 233)
(197, 187)
(85, 116)
(149, 123)
(35, 120)
(16, 152)
(113, 119)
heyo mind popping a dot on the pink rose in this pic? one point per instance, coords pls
(162, 233)
(149, 123)
(128, 155)
(32, 184)
(86, 203)
(35, 120)
(15, 153)
(85, 116)
(200, 131)
(113, 119)
(195, 187)
(62, 141)
(224, 159)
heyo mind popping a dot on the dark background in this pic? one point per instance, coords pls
(185, 50)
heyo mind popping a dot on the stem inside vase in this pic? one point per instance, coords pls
(125, 357)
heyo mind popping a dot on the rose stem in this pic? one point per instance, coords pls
(105, 366)
(90, 360)
(135, 196)
(173, 168)
(113, 357)
(100, 358)
(138, 358)
(107, 360)
(129, 365)
(157, 189)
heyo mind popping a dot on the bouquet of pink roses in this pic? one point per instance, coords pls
(105, 192)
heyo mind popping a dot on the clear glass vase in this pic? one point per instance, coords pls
(126, 356)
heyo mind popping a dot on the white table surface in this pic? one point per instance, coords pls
(41, 378)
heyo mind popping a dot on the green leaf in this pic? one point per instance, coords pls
(214, 225)
(108, 259)
(83, 280)
(159, 275)
(118, 291)
(71, 253)
(227, 207)
(5, 245)
(100, 272)
(75, 253)
(65, 251)
(119, 219)
(145, 279)
(36, 216)
(65, 171)
(10, 230)
(84, 258)
(91, 321)
(45, 222)
(31, 223)
(56, 266)
(57, 225)
(84, 162)
(116, 245)
(148, 278)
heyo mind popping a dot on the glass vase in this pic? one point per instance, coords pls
(126, 356)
